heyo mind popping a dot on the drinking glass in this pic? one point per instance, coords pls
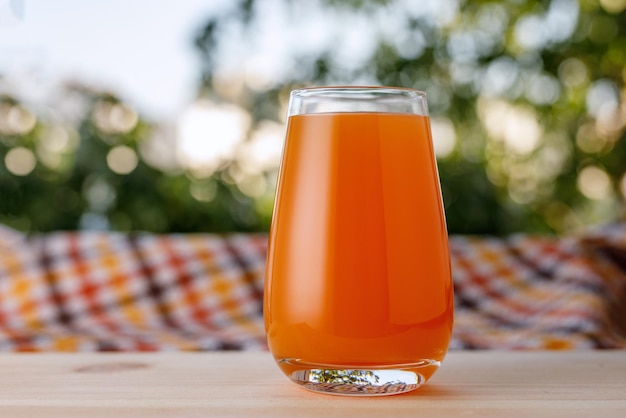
(358, 293)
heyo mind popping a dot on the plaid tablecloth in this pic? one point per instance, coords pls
(92, 291)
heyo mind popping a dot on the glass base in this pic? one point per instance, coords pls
(359, 381)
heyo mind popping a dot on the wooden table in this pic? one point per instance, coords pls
(248, 384)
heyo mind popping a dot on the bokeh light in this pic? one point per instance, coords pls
(594, 183)
(613, 6)
(515, 126)
(114, 118)
(20, 161)
(208, 136)
(16, 120)
(264, 149)
(444, 136)
(122, 159)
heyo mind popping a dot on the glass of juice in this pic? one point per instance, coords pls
(358, 292)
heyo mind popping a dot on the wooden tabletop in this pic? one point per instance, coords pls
(248, 384)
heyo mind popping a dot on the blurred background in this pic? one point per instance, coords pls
(169, 116)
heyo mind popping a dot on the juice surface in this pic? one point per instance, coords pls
(358, 267)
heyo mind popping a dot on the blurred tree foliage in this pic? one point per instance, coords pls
(527, 99)
(96, 173)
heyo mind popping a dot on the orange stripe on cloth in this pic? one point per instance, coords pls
(96, 291)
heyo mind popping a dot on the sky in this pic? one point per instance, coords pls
(140, 51)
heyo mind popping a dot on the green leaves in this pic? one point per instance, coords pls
(531, 97)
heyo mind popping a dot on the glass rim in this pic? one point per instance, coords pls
(352, 91)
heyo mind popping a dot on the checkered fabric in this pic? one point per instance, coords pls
(92, 291)
(525, 292)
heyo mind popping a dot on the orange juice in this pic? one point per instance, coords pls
(358, 268)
